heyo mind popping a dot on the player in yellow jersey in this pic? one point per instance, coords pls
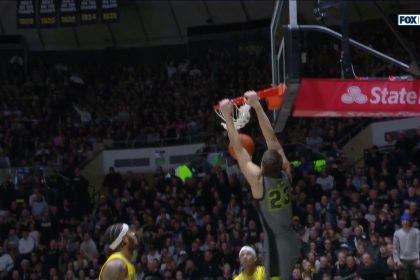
(123, 242)
(248, 260)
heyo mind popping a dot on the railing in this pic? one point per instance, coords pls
(350, 166)
(361, 125)
(349, 277)
(169, 141)
(294, 152)
(298, 150)
(44, 172)
(86, 161)
(93, 193)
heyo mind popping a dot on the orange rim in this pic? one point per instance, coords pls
(275, 101)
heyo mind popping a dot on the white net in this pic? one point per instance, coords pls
(241, 116)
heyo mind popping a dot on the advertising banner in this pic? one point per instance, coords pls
(357, 98)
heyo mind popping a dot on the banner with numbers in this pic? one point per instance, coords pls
(109, 11)
(25, 13)
(68, 13)
(47, 13)
(52, 13)
(88, 12)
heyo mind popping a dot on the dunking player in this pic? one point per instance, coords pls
(271, 187)
(122, 242)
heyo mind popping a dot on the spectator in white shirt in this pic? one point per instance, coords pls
(26, 243)
(358, 179)
(80, 263)
(313, 140)
(12, 239)
(38, 204)
(70, 275)
(326, 181)
(88, 247)
(35, 234)
(371, 215)
(153, 254)
(163, 217)
(6, 264)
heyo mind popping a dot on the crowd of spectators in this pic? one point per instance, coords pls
(59, 115)
(194, 229)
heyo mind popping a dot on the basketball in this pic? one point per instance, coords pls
(246, 142)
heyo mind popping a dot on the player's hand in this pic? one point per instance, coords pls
(252, 99)
(226, 108)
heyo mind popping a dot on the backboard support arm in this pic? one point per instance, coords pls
(412, 69)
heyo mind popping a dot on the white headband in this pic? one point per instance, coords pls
(248, 249)
(118, 240)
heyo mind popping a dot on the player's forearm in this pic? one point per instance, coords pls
(264, 122)
(267, 130)
(233, 134)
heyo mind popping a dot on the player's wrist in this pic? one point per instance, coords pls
(257, 106)
(228, 118)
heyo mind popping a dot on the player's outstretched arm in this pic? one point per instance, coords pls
(251, 171)
(270, 137)
(226, 108)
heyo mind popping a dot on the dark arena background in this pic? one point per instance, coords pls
(106, 116)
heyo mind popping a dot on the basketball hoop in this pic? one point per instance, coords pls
(241, 115)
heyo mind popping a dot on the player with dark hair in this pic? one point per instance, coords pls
(271, 186)
(122, 241)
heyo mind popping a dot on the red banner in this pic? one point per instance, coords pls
(356, 98)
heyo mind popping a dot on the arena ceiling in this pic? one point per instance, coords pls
(141, 23)
(153, 22)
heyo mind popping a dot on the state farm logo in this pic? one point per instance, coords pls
(378, 95)
(354, 94)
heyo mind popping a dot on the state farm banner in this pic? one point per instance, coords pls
(357, 98)
(25, 13)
